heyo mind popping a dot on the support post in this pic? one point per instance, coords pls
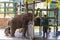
(33, 17)
(4, 10)
(26, 7)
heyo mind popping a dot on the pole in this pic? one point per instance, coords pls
(48, 19)
(26, 7)
(20, 7)
(57, 19)
(4, 10)
(47, 7)
(33, 17)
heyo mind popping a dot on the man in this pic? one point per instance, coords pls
(19, 32)
(7, 29)
(30, 29)
(37, 22)
(45, 25)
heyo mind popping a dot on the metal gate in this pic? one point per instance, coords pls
(54, 19)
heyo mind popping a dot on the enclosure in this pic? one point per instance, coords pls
(10, 8)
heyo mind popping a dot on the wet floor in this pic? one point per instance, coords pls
(4, 37)
(51, 36)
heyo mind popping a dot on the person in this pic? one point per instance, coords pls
(7, 29)
(19, 32)
(37, 22)
(45, 25)
(49, 30)
(30, 29)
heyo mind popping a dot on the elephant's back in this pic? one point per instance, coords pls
(18, 21)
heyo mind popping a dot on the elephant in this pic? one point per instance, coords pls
(21, 21)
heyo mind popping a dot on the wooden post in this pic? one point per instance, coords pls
(33, 17)
(47, 7)
(27, 13)
(57, 18)
(20, 7)
(40, 15)
(4, 10)
(56, 11)
(26, 7)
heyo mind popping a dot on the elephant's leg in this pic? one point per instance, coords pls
(25, 30)
(24, 33)
(12, 31)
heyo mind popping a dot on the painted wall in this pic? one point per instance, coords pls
(3, 21)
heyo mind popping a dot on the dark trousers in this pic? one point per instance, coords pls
(45, 28)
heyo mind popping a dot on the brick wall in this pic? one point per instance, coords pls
(3, 21)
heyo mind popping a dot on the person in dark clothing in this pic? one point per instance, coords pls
(45, 25)
(7, 31)
(49, 30)
(37, 21)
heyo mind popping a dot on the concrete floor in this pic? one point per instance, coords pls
(51, 36)
(4, 37)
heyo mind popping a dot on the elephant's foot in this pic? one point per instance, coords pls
(24, 35)
(12, 35)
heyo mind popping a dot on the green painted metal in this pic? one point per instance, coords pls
(7, 8)
(53, 5)
(4, 9)
(51, 13)
(15, 8)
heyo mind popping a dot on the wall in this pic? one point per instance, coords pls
(3, 21)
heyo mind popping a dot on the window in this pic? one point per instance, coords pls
(1, 10)
(1, 4)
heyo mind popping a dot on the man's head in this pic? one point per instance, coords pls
(45, 16)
